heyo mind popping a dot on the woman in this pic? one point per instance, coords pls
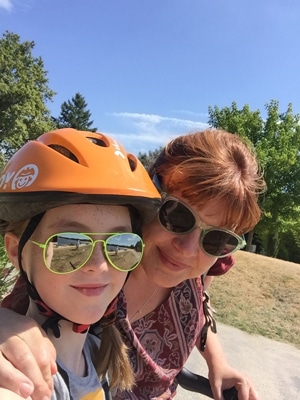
(210, 182)
(63, 218)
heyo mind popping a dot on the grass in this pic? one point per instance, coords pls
(260, 295)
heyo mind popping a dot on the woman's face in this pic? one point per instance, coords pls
(170, 258)
(81, 296)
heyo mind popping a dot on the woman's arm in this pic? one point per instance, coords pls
(221, 375)
(27, 357)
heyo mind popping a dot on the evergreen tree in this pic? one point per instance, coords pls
(74, 114)
(148, 159)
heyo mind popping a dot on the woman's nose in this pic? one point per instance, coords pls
(188, 244)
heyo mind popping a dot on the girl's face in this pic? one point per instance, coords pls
(170, 258)
(81, 296)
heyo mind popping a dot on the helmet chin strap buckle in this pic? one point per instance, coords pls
(80, 328)
(52, 321)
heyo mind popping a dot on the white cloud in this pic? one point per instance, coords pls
(191, 113)
(151, 120)
(6, 4)
(17, 5)
(144, 132)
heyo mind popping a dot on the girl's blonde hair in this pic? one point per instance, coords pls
(113, 354)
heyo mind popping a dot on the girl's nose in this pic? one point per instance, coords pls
(97, 260)
(188, 244)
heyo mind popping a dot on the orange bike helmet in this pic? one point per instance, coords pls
(67, 166)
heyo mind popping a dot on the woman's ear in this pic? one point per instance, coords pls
(11, 242)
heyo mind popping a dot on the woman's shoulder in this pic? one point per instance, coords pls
(221, 266)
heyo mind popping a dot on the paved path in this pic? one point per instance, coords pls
(273, 367)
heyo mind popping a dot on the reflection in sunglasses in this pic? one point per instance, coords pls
(68, 251)
(176, 217)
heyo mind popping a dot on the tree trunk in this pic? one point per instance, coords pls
(249, 240)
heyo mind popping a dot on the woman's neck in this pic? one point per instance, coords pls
(69, 346)
(142, 295)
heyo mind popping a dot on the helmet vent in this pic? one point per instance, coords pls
(98, 142)
(64, 151)
(132, 163)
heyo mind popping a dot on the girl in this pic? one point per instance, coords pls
(71, 206)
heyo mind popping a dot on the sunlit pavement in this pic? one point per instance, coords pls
(274, 367)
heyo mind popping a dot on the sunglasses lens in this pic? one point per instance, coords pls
(124, 251)
(66, 252)
(219, 243)
(175, 217)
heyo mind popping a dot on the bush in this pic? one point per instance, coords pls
(7, 271)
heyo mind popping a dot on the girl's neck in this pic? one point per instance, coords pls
(69, 346)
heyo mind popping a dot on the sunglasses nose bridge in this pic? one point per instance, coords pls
(97, 254)
(188, 243)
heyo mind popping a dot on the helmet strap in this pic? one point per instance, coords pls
(53, 318)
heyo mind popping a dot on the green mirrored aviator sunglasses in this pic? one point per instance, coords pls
(67, 252)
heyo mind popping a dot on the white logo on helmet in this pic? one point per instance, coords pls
(118, 151)
(24, 177)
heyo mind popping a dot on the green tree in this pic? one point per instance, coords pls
(277, 142)
(23, 93)
(148, 159)
(289, 248)
(7, 271)
(74, 114)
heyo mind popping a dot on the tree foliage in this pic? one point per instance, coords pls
(74, 114)
(277, 142)
(24, 92)
(148, 159)
(7, 271)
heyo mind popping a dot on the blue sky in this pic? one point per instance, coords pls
(149, 69)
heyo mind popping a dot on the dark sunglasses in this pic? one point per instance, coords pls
(177, 217)
(66, 252)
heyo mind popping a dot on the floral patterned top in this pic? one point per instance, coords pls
(161, 341)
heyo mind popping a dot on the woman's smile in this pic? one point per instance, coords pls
(171, 263)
